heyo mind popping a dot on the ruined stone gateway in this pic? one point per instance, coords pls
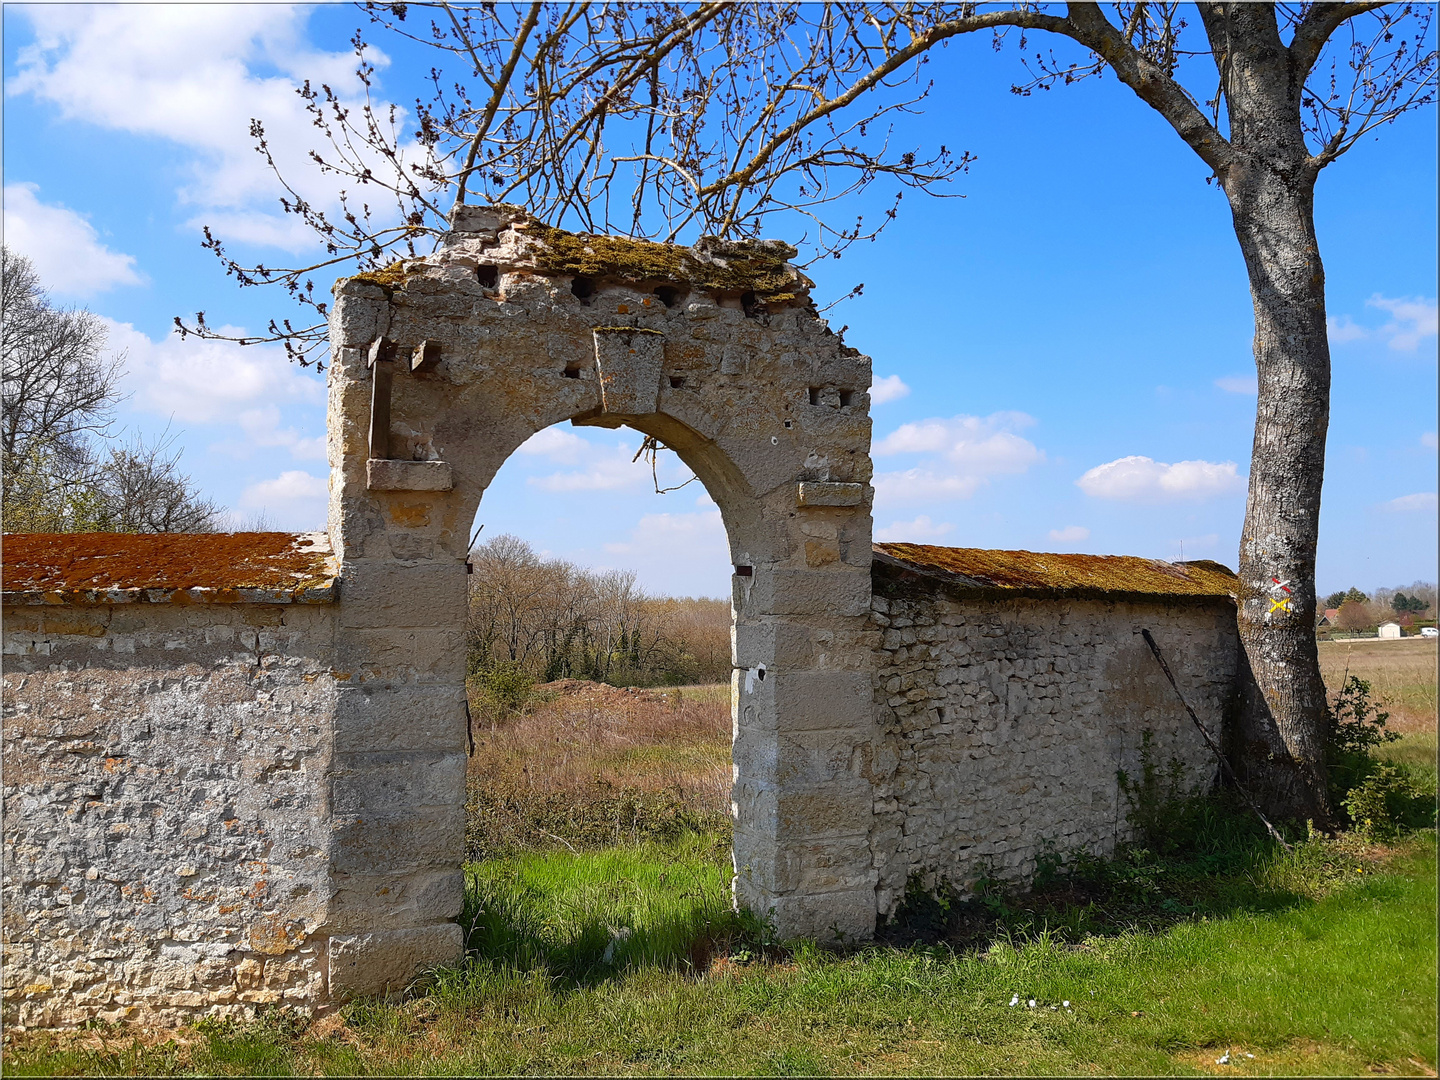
(235, 765)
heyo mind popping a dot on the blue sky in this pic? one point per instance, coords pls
(1065, 351)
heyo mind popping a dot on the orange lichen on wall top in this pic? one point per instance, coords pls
(1037, 572)
(176, 567)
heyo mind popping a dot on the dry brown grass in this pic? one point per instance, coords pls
(580, 732)
(589, 763)
(1401, 674)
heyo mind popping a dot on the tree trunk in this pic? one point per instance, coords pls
(1279, 737)
(1280, 741)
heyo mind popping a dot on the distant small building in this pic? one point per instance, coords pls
(1390, 630)
(1328, 619)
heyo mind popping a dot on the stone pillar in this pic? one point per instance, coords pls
(397, 783)
(803, 723)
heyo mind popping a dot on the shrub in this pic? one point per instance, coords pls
(1357, 728)
(1390, 798)
(1380, 799)
(506, 687)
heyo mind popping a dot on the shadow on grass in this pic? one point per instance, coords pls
(583, 918)
(1194, 858)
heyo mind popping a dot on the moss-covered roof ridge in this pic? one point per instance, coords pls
(1044, 573)
(511, 236)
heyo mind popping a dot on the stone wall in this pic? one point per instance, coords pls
(1003, 721)
(166, 813)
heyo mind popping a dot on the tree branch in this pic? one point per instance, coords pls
(1087, 25)
(1315, 29)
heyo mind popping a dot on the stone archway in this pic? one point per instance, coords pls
(444, 366)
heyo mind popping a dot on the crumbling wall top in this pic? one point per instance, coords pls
(508, 237)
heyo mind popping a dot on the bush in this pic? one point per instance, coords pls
(507, 687)
(1357, 728)
(1389, 799)
(1380, 799)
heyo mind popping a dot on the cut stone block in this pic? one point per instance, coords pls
(629, 362)
(827, 493)
(389, 959)
(388, 474)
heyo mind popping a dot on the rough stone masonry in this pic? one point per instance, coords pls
(234, 768)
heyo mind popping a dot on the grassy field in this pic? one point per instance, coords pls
(601, 940)
(629, 961)
(1401, 675)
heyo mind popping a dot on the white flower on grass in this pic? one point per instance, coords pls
(1066, 1004)
(1015, 1001)
(1031, 1004)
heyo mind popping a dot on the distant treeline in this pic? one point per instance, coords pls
(561, 621)
(1355, 610)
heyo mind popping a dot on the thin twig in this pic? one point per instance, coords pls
(1225, 765)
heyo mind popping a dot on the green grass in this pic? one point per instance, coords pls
(584, 918)
(1320, 962)
(1416, 751)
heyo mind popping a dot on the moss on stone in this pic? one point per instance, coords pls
(388, 278)
(748, 265)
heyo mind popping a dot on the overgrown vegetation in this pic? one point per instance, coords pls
(582, 765)
(1380, 798)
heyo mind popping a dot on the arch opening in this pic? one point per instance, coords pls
(728, 390)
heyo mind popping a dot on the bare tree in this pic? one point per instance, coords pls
(141, 489)
(558, 620)
(62, 470)
(59, 388)
(668, 120)
(656, 120)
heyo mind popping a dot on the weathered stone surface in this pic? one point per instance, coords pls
(389, 960)
(1003, 725)
(389, 474)
(629, 362)
(212, 807)
(165, 804)
(756, 397)
(822, 493)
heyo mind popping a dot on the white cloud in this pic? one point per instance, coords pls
(63, 245)
(679, 554)
(262, 429)
(889, 388)
(1412, 318)
(1420, 502)
(916, 531)
(187, 73)
(1428, 440)
(607, 470)
(560, 446)
(206, 381)
(961, 454)
(1341, 328)
(1142, 479)
(293, 500)
(1239, 384)
(1070, 534)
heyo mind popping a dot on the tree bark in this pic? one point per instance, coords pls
(1270, 183)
